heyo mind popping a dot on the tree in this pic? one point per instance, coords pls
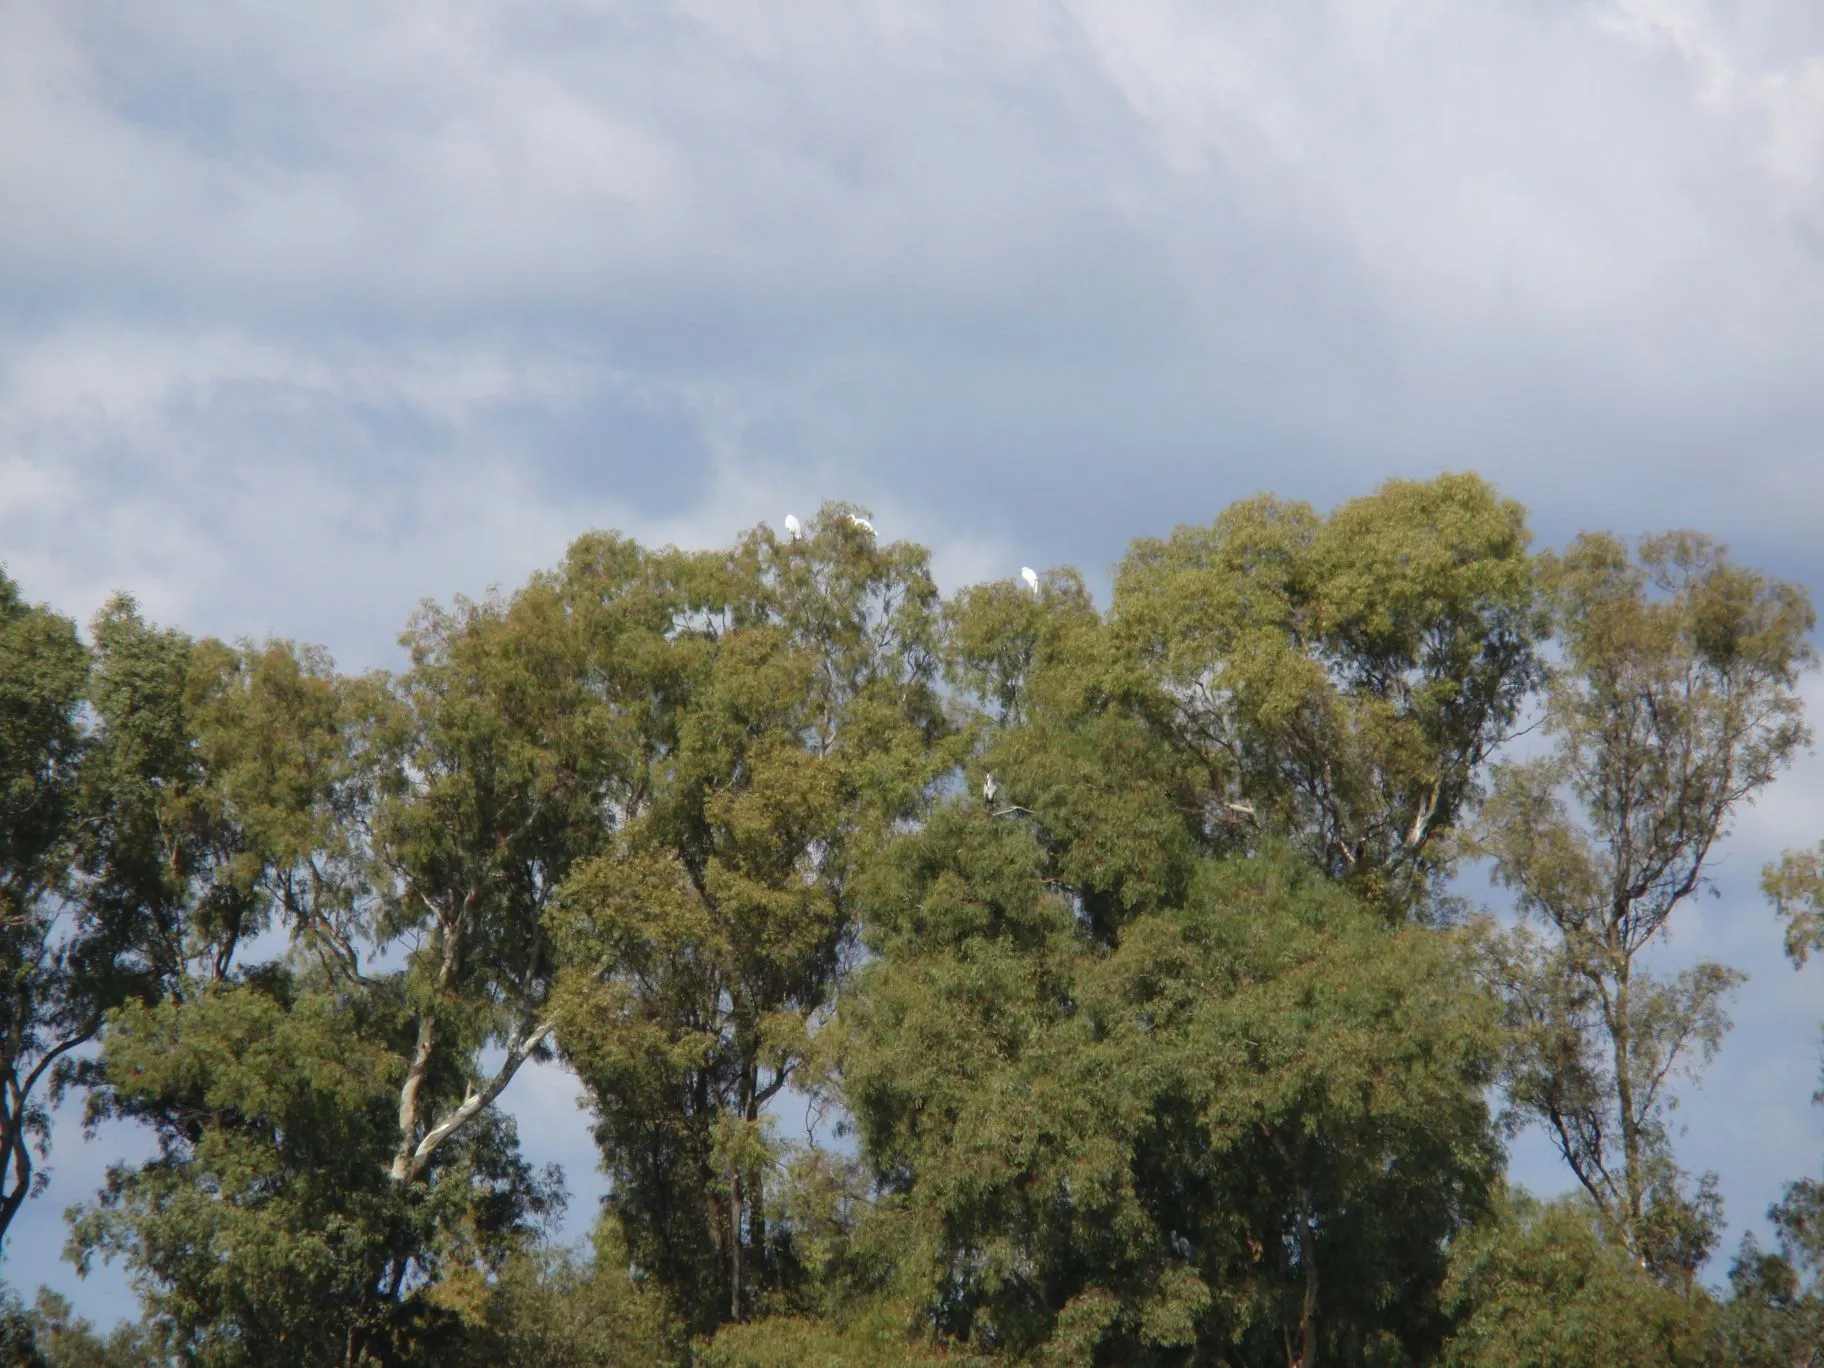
(872, 1338)
(127, 875)
(790, 720)
(1165, 1046)
(555, 1309)
(1058, 706)
(1674, 703)
(494, 779)
(219, 793)
(46, 1007)
(1341, 682)
(1244, 1133)
(250, 812)
(18, 1340)
(1543, 1285)
(1028, 1056)
(268, 1229)
(1795, 887)
(66, 1340)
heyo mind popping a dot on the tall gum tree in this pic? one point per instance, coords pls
(1243, 1133)
(249, 814)
(499, 771)
(1674, 703)
(1127, 1099)
(166, 861)
(1342, 681)
(1056, 706)
(791, 719)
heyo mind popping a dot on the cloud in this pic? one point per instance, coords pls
(992, 263)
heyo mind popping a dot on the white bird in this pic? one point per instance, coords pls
(793, 528)
(862, 523)
(1031, 577)
(989, 789)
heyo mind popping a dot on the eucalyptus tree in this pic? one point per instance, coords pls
(1543, 1283)
(279, 831)
(1058, 703)
(268, 1229)
(138, 868)
(1342, 681)
(64, 1339)
(47, 1008)
(211, 793)
(219, 798)
(1128, 1099)
(790, 719)
(1244, 1133)
(1675, 702)
(1775, 1314)
(495, 776)
(1795, 887)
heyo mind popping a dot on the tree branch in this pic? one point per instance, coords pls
(518, 1052)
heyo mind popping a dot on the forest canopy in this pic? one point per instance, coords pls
(1123, 949)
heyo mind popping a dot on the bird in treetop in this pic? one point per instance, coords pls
(989, 789)
(862, 523)
(793, 528)
(1031, 577)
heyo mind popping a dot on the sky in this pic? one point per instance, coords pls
(309, 312)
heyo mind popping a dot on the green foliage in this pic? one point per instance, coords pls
(48, 1005)
(494, 777)
(1169, 1147)
(1121, 942)
(554, 1309)
(1775, 1315)
(1676, 701)
(65, 1340)
(1341, 681)
(1544, 1287)
(1065, 733)
(790, 720)
(268, 1229)
(43, 676)
(229, 793)
(1795, 886)
(873, 1336)
(18, 1343)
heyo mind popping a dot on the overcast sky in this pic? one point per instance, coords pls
(310, 311)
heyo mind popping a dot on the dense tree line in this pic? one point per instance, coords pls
(1122, 951)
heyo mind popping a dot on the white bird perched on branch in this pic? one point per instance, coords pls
(793, 528)
(989, 789)
(862, 523)
(1031, 577)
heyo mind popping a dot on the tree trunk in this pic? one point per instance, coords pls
(1307, 1258)
(18, 1152)
(15, 1141)
(402, 1169)
(1630, 1129)
(734, 1248)
(405, 1167)
(756, 1193)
